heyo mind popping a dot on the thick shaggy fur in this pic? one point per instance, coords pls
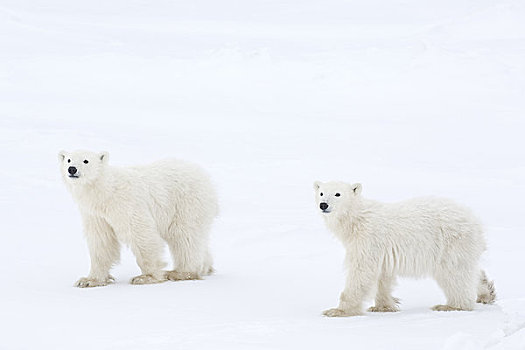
(416, 238)
(169, 201)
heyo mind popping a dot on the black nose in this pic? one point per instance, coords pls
(72, 170)
(323, 206)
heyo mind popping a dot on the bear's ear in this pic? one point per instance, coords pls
(61, 156)
(317, 184)
(104, 157)
(356, 188)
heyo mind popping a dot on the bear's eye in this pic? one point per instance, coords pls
(85, 161)
(321, 193)
(337, 194)
(69, 160)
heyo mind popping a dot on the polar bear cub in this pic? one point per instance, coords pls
(144, 207)
(416, 238)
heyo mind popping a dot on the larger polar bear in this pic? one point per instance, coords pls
(169, 201)
(416, 238)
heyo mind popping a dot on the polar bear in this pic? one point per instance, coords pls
(415, 238)
(144, 207)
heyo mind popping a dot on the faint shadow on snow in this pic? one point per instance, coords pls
(511, 334)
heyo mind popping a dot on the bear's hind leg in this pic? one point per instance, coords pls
(459, 283)
(191, 258)
(486, 290)
(384, 301)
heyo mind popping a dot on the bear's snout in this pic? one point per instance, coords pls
(72, 170)
(323, 206)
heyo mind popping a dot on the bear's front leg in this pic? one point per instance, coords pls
(360, 280)
(147, 246)
(87, 282)
(350, 304)
(104, 251)
(384, 301)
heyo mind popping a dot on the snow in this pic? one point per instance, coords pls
(407, 97)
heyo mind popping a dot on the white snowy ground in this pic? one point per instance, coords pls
(408, 97)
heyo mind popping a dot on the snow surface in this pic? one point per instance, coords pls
(408, 97)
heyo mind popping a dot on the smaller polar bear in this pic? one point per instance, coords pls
(169, 201)
(414, 238)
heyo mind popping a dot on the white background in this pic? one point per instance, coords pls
(407, 97)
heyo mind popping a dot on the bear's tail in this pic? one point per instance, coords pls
(486, 290)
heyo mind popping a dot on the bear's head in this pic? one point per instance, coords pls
(336, 197)
(82, 167)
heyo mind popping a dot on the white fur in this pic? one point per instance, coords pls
(169, 201)
(417, 238)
